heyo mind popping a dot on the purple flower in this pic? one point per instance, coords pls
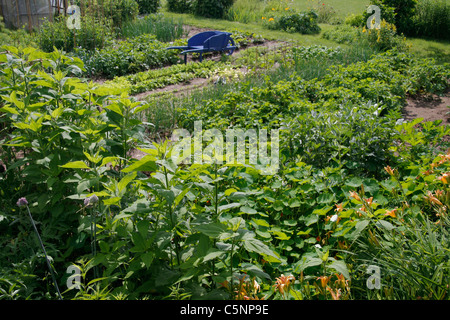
(22, 202)
(94, 199)
(90, 200)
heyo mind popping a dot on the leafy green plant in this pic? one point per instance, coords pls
(181, 6)
(211, 9)
(93, 34)
(127, 56)
(148, 6)
(410, 247)
(355, 20)
(385, 38)
(403, 12)
(154, 79)
(291, 21)
(117, 12)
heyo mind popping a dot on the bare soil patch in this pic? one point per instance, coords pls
(430, 108)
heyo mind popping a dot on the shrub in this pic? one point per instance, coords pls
(403, 12)
(355, 20)
(181, 6)
(212, 8)
(432, 19)
(386, 37)
(343, 34)
(301, 22)
(148, 6)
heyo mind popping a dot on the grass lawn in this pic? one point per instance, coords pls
(342, 7)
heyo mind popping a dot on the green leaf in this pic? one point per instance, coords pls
(354, 182)
(255, 270)
(213, 254)
(180, 196)
(307, 262)
(340, 267)
(147, 258)
(93, 159)
(9, 110)
(311, 219)
(75, 165)
(385, 224)
(147, 163)
(359, 227)
(255, 245)
(248, 210)
(229, 191)
(326, 198)
(125, 181)
(112, 201)
(228, 206)
(281, 235)
(212, 229)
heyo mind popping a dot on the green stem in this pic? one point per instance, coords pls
(45, 253)
(231, 268)
(169, 206)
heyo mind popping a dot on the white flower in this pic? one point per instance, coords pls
(334, 218)
(318, 246)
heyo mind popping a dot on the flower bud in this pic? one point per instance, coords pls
(22, 202)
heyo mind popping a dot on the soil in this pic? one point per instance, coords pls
(430, 108)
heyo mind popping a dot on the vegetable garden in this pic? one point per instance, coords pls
(357, 209)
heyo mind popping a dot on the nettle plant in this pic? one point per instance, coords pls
(67, 139)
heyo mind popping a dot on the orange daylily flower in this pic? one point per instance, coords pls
(323, 281)
(391, 213)
(430, 197)
(445, 178)
(389, 170)
(354, 195)
(335, 294)
(339, 208)
(369, 201)
(342, 282)
(283, 283)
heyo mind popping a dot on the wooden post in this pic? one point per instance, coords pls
(30, 21)
(50, 13)
(18, 14)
